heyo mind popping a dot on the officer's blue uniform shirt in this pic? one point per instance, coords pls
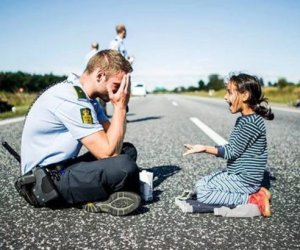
(57, 121)
(118, 44)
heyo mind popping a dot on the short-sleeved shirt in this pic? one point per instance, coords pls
(56, 122)
(118, 44)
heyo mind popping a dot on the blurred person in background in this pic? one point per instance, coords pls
(89, 55)
(118, 42)
(92, 52)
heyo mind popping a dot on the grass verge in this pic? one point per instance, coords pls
(21, 101)
(287, 96)
(20, 111)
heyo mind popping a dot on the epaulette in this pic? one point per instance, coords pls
(80, 93)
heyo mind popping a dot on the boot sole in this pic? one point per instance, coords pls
(118, 204)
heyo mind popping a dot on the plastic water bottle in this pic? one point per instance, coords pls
(146, 185)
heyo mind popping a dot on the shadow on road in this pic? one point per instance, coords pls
(144, 119)
(160, 173)
(163, 172)
(268, 177)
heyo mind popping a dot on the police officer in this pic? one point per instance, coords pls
(118, 42)
(92, 52)
(67, 116)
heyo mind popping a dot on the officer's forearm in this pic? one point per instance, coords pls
(117, 129)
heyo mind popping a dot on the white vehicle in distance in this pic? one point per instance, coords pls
(138, 89)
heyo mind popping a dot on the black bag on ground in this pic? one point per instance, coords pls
(37, 188)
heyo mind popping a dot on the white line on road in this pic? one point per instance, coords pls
(13, 120)
(208, 131)
(175, 103)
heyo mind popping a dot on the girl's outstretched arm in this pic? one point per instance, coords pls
(191, 149)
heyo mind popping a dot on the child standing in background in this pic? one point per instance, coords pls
(246, 151)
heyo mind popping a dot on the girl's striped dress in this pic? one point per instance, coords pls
(246, 154)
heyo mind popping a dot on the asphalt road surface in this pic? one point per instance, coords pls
(159, 126)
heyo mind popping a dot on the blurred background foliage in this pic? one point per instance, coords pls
(20, 89)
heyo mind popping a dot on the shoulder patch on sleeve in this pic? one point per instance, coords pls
(80, 93)
(86, 116)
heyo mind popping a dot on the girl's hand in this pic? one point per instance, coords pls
(191, 149)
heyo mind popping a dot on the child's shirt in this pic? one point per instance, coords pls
(246, 150)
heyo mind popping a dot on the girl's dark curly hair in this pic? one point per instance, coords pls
(256, 100)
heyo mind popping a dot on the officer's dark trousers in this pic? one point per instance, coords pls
(89, 179)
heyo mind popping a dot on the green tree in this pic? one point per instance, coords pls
(192, 88)
(261, 81)
(214, 82)
(201, 85)
(160, 89)
(13, 81)
(179, 89)
(282, 82)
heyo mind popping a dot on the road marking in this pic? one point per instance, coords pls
(208, 131)
(13, 120)
(175, 103)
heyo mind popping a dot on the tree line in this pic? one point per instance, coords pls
(216, 82)
(24, 82)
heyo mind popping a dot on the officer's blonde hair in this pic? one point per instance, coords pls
(110, 61)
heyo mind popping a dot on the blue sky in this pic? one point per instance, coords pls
(174, 42)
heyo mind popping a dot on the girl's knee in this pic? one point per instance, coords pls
(201, 183)
(203, 195)
(202, 190)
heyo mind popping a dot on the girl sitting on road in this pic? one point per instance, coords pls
(246, 151)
